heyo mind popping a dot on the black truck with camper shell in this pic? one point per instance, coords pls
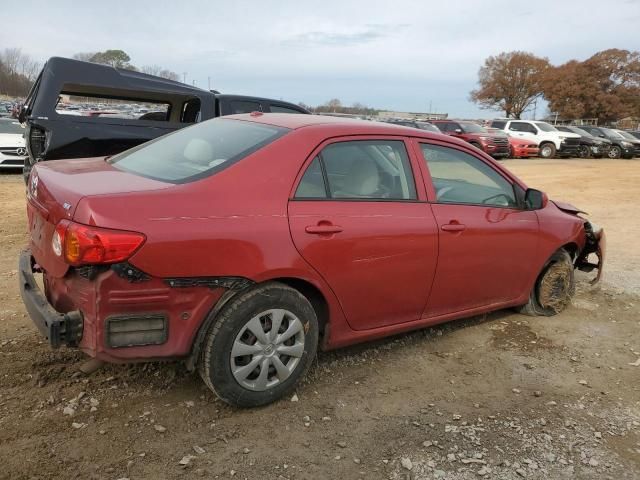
(78, 109)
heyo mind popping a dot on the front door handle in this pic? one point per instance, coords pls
(453, 227)
(323, 229)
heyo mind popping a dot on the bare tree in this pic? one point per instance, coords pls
(84, 56)
(158, 71)
(11, 59)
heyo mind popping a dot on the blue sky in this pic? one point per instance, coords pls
(402, 55)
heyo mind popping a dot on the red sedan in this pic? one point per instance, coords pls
(243, 243)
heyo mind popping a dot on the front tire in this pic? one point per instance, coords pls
(547, 150)
(260, 345)
(554, 287)
(584, 151)
(615, 152)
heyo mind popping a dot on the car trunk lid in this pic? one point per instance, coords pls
(56, 188)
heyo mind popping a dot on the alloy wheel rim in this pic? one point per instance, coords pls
(613, 152)
(546, 151)
(267, 349)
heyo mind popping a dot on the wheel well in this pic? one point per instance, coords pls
(572, 250)
(315, 297)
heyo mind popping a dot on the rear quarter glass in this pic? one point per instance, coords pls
(198, 151)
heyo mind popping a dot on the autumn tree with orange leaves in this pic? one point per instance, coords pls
(511, 81)
(606, 86)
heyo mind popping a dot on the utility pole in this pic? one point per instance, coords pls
(208, 83)
(184, 77)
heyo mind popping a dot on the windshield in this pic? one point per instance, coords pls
(579, 131)
(626, 135)
(611, 133)
(545, 127)
(198, 151)
(11, 126)
(472, 128)
(428, 126)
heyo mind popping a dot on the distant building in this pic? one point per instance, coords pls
(412, 115)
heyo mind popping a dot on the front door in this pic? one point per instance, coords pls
(486, 239)
(356, 219)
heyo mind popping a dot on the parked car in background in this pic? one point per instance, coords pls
(620, 146)
(550, 140)
(630, 138)
(242, 244)
(518, 147)
(590, 146)
(429, 127)
(53, 133)
(12, 147)
(495, 145)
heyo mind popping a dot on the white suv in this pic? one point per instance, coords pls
(551, 141)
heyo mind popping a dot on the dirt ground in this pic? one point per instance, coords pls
(501, 396)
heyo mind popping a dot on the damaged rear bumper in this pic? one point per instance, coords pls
(58, 328)
(596, 242)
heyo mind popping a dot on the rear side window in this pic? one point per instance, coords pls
(197, 151)
(108, 106)
(364, 169)
(242, 106)
(498, 124)
(312, 184)
(281, 109)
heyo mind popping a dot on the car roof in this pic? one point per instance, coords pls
(347, 125)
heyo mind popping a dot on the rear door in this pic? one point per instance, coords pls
(357, 218)
(486, 238)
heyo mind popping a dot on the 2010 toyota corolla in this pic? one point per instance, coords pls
(242, 244)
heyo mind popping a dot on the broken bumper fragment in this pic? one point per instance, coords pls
(596, 242)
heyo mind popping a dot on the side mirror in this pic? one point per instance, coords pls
(535, 199)
(458, 130)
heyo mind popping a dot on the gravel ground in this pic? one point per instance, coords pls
(499, 396)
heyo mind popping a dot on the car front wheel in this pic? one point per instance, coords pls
(260, 345)
(584, 151)
(615, 152)
(554, 287)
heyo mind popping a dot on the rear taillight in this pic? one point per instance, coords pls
(84, 245)
(37, 142)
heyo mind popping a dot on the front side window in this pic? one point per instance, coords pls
(463, 179)
(522, 127)
(363, 169)
(197, 151)
(545, 127)
(473, 128)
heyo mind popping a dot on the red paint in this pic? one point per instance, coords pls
(521, 148)
(382, 267)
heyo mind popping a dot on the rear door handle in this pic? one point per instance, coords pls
(453, 227)
(323, 229)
